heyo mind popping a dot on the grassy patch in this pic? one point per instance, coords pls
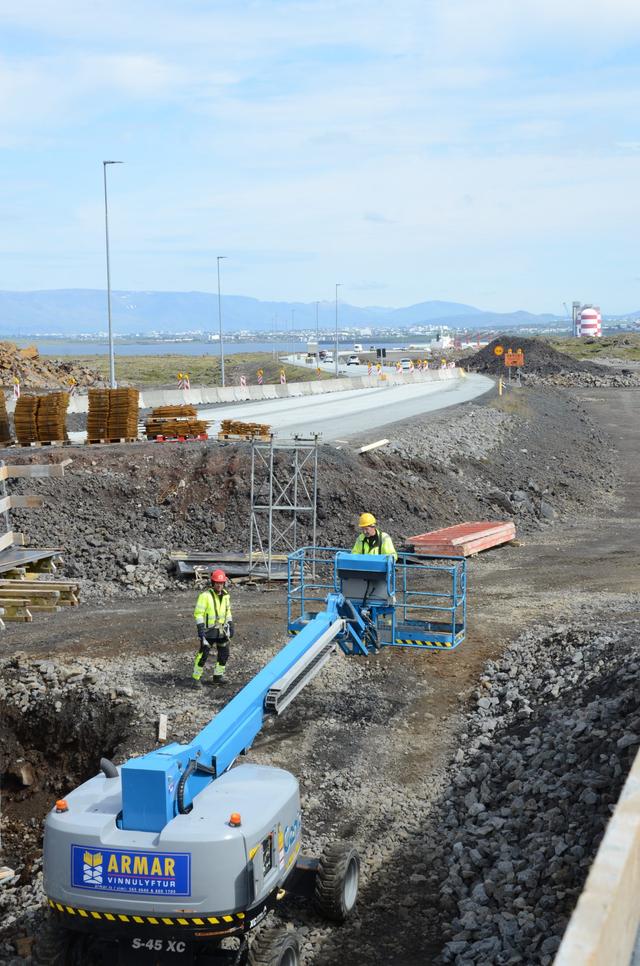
(623, 346)
(162, 370)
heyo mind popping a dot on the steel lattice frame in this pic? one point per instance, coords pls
(292, 488)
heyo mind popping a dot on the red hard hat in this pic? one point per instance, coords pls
(218, 577)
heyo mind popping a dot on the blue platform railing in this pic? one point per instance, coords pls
(430, 603)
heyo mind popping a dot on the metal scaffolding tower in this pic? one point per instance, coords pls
(284, 494)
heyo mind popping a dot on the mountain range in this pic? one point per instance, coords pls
(84, 311)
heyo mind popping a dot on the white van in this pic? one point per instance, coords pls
(357, 347)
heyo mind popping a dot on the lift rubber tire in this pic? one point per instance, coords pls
(337, 881)
(52, 946)
(275, 947)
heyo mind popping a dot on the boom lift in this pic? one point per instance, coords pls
(175, 856)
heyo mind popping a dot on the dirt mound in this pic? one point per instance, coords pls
(33, 372)
(539, 357)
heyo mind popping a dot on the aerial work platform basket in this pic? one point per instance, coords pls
(419, 601)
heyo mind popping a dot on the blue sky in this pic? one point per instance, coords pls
(482, 151)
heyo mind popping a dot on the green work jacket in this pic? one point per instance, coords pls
(383, 545)
(213, 610)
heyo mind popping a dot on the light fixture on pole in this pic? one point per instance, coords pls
(219, 258)
(338, 285)
(112, 361)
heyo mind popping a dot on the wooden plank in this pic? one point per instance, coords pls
(29, 592)
(15, 502)
(370, 446)
(11, 539)
(45, 608)
(34, 470)
(57, 584)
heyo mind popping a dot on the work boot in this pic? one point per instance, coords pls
(196, 683)
(218, 672)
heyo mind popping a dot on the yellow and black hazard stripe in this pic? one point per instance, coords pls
(236, 919)
(444, 644)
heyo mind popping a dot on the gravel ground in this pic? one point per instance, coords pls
(401, 753)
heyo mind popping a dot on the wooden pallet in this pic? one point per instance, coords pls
(113, 439)
(51, 442)
(244, 438)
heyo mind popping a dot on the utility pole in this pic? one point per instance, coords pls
(219, 259)
(112, 361)
(338, 285)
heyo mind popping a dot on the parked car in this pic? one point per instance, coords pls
(357, 347)
(327, 357)
(353, 361)
(406, 363)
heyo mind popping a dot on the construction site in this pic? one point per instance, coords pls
(466, 718)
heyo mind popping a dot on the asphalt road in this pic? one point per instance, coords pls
(356, 411)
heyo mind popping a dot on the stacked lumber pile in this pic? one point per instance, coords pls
(25, 418)
(113, 415)
(51, 417)
(123, 413)
(464, 539)
(5, 429)
(233, 427)
(174, 422)
(21, 599)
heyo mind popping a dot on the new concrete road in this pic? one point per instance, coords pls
(355, 411)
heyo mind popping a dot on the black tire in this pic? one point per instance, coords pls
(52, 946)
(275, 947)
(337, 881)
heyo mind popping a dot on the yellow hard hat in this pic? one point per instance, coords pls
(367, 520)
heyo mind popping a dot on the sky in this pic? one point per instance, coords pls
(479, 151)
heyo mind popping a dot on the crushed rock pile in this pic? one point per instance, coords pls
(553, 735)
(33, 372)
(544, 365)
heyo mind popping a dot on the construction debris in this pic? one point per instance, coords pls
(35, 373)
(464, 539)
(233, 428)
(113, 415)
(175, 422)
(370, 446)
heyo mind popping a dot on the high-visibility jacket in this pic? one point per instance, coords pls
(213, 610)
(381, 543)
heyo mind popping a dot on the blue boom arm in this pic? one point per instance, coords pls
(361, 602)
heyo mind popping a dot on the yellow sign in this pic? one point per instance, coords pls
(498, 350)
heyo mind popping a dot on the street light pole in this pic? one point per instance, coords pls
(338, 285)
(112, 361)
(218, 259)
(317, 328)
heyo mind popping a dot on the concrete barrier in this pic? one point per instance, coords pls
(602, 930)
(216, 395)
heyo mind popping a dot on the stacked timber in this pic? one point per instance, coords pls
(98, 416)
(175, 422)
(5, 429)
(51, 417)
(123, 413)
(25, 418)
(113, 414)
(464, 539)
(233, 427)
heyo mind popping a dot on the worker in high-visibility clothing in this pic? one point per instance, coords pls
(371, 539)
(215, 626)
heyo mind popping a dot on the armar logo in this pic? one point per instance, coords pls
(117, 870)
(92, 867)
